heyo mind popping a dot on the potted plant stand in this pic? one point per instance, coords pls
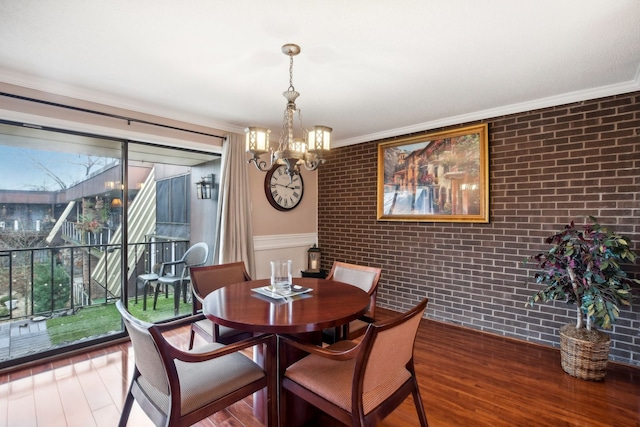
(584, 355)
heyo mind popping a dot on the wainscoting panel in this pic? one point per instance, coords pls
(282, 246)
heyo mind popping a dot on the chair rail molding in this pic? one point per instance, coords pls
(281, 241)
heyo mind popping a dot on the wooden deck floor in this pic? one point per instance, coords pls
(466, 379)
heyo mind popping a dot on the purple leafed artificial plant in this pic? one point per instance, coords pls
(583, 266)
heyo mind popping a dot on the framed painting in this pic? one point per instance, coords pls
(435, 177)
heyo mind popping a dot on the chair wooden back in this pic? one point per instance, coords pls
(386, 352)
(364, 277)
(206, 279)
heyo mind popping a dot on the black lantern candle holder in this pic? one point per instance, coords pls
(313, 259)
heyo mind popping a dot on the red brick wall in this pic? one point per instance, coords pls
(547, 167)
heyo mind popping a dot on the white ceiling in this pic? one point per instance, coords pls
(368, 68)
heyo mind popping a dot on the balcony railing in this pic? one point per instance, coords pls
(44, 281)
(70, 232)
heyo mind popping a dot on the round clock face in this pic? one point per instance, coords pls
(284, 193)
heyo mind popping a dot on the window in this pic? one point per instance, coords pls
(173, 206)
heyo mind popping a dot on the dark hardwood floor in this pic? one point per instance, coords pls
(466, 379)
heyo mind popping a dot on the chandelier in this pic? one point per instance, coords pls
(308, 151)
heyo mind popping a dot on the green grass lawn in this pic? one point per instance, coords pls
(99, 320)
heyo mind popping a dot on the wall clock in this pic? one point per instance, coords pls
(282, 192)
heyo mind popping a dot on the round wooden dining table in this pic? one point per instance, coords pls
(328, 304)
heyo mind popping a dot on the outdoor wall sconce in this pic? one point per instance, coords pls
(204, 187)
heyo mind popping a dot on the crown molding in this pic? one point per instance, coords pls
(552, 101)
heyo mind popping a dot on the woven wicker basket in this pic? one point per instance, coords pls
(584, 359)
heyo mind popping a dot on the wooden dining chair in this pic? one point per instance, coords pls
(205, 280)
(180, 388)
(357, 383)
(364, 277)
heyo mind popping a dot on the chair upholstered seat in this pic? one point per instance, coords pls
(232, 372)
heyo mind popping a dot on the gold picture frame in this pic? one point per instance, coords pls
(435, 177)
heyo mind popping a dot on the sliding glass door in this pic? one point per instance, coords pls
(82, 217)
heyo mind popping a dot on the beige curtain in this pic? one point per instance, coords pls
(235, 236)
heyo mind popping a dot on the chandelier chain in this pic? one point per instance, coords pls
(291, 88)
(304, 133)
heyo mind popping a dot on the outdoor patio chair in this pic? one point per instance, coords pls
(144, 283)
(176, 273)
